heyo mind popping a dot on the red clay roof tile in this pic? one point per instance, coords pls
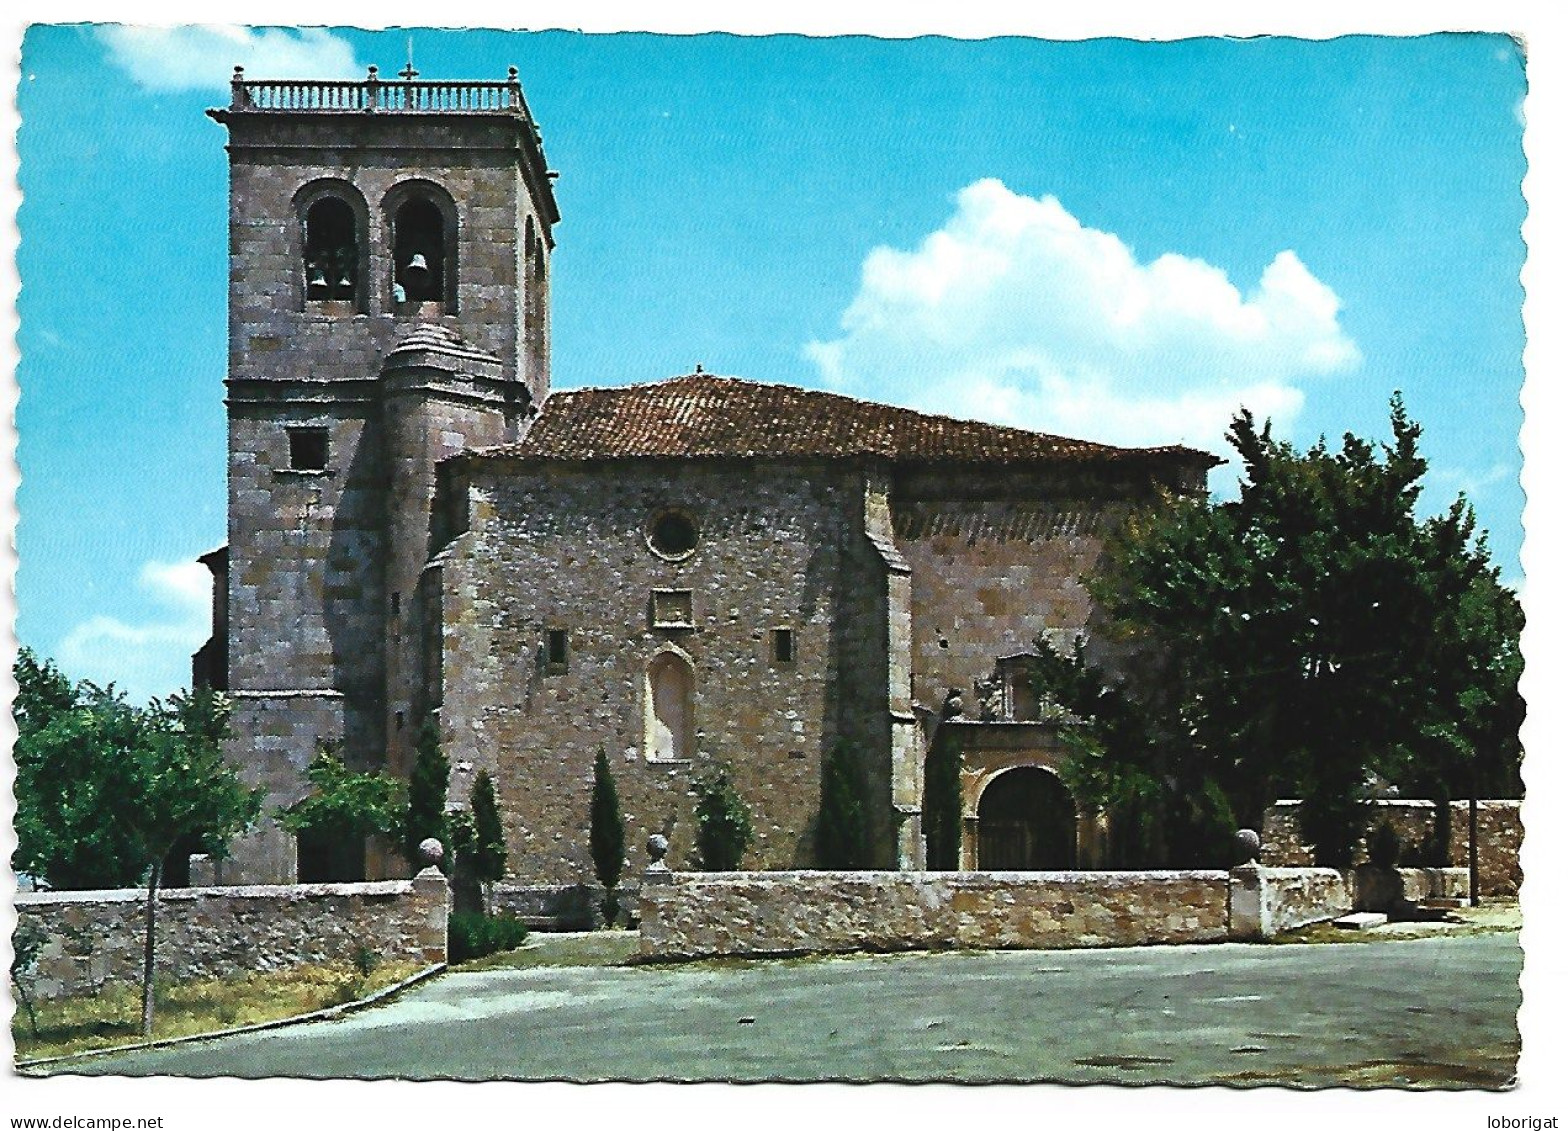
(702, 415)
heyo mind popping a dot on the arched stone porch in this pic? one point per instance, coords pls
(991, 750)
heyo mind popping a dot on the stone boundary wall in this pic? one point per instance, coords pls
(703, 914)
(1375, 889)
(96, 937)
(1266, 901)
(1500, 832)
(694, 914)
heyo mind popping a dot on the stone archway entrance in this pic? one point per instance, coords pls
(997, 787)
(1028, 823)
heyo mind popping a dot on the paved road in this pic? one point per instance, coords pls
(1432, 1012)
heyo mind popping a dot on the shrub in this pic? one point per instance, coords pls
(344, 803)
(473, 934)
(27, 943)
(365, 960)
(462, 867)
(723, 823)
(1383, 847)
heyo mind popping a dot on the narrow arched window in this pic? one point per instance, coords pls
(668, 717)
(331, 251)
(419, 252)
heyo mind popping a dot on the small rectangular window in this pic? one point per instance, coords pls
(308, 449)
(783, 646)
(671, 608)
(555, 649)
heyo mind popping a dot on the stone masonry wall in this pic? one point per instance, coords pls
(1266, 901)
(316, 577)
(997, 558)
(1499, 825)
(690, 915)
(275, 737)
(274, 332)
(555, 547)
(988, 578)
(96, 937)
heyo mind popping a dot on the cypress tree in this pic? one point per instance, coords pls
(841, 824)
(606, 833)
(489, 838)
(944, 805)
(426, 794)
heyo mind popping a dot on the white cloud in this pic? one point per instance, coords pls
(1451, 481)
(1015, 312)
(153, 656)
(203, 57)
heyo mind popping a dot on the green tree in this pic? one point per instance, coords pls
(489, 851)
(105, 790)
(943, 816)
(76, 768)
(1292, 640)
(606, 833)
(427, 789)
(183, 788)
(841, 822)
(723, 822)
(345, 805)
(43, 692)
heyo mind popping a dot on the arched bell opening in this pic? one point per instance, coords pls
(419, 252)
(331, 252)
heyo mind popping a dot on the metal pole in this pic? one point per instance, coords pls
(1475, 852)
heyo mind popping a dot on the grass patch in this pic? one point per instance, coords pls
(587, 948)
(1494, 916)
(113, 1016)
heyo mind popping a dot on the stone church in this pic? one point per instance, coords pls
(680, 572)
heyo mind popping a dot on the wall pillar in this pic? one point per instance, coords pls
(969, 845)
(433, 895)
(1091, 838)
(911, 842)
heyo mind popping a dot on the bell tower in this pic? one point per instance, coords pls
(389, 266)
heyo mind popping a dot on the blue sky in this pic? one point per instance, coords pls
(1116, 240)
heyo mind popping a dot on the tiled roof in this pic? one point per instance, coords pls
(701, 415)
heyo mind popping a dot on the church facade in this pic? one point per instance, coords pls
(680, 573)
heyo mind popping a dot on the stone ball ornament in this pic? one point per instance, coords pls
(431, 851)
(658, 846)
(1248, 845)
